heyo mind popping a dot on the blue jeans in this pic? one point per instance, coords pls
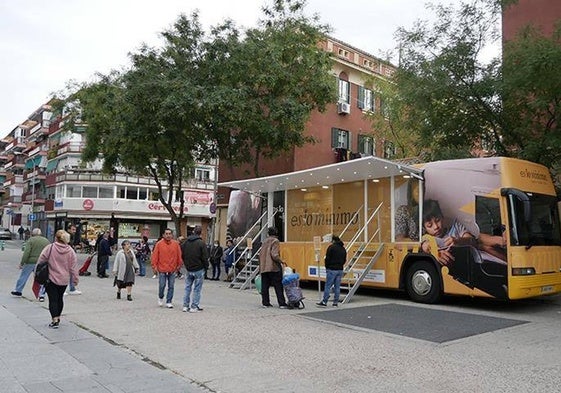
(142, 265)
(333, 280)
(196, 278)
(26, 271)
(168, 278)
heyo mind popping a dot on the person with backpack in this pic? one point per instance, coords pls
(33, 249)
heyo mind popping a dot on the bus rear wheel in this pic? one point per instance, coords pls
(423, 283)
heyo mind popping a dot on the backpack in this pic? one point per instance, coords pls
(42, 270)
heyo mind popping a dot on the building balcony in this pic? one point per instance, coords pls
(38, 174)
(17, 179)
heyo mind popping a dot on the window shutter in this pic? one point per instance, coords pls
(334, 137)
(360, 102)
(349, 145)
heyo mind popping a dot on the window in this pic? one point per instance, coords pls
(142, 194)
(121, 192)
(366, 145)
(389, 149)
(153, 195)
(343, 53)
(202, 174)
(384, 109)
(89, 192)
(132, 193)
(340, 139)
(73, 191)
(344, 91)
(106, 192)
(366, 99)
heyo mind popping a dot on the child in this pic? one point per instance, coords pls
(442, 237)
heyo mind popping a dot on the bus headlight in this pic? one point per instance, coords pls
(523, 271)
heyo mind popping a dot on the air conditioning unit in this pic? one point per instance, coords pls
(343, 108)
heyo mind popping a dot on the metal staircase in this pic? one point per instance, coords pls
(244, 278)
(363, 259)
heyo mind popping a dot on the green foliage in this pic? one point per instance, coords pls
(532, 96)
(453, 102)
(228, 94)
(446, 95)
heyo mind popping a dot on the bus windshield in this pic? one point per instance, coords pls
(534, 220)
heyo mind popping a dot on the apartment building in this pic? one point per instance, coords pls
(343, 131)
(46, 185)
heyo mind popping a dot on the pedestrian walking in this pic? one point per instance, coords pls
(72, 290)
(124, 269)
(33, 249)
(166, 260)
(215, 259)
(103, 254)
(195, 258)
(228, 257)
(270, 268)
(142, 254)
(21, 231)
(335, 258)
(62, 268)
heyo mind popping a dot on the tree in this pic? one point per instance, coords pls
(453, 102)
(532, 96)
(442, 92)
(202, 96)
(269, 85)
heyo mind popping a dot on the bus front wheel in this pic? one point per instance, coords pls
(423, 283)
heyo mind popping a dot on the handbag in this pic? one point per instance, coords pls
(42, 270)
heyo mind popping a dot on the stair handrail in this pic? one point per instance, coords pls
(363, 228)
(350, 221)
(246, 235)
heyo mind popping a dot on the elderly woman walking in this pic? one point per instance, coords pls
(124, 269)
(63, 268)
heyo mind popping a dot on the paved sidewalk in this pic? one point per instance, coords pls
(234, 345)
(35, 358)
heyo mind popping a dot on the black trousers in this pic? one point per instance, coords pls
(273, 279)
(56, 298)
(101, 261)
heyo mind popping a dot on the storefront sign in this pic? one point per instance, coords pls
(88, 204)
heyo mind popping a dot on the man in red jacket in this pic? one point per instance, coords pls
(166, 260)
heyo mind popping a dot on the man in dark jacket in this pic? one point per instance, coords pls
(103, 254)
(195, 258)
(335, 258)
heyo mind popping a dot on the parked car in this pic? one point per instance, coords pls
(5, 234)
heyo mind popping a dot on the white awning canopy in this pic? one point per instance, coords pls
(343, 172)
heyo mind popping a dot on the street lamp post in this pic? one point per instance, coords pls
(32, 215)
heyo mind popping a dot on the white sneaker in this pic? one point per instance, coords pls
(65, 293)
(185, 309)
(160, 302)
(169, 305)
(154, 276)
(75, 292)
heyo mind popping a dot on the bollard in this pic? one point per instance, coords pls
(2, 245)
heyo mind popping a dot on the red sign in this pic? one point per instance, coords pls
(88, 204)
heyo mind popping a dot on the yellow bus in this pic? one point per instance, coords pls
(486, 226)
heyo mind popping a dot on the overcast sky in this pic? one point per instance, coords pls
(43, 44)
